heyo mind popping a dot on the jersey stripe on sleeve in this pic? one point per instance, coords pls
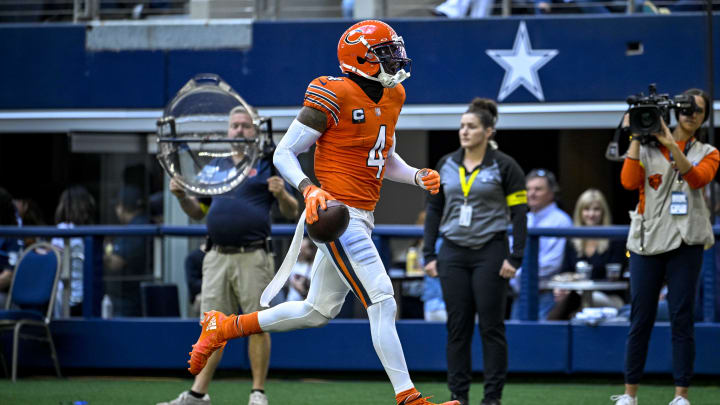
(324, 107)
(332, 105)
(324, 90)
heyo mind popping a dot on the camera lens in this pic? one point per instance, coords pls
(647, 119)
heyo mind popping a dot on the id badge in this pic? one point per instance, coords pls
(465, 215)
(678, 203)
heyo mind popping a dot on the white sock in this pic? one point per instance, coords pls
(290, 315)
(387, 343)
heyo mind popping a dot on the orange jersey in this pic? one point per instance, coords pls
(350, 155)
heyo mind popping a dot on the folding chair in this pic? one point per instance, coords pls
(31, 298)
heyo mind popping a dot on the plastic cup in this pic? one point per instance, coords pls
(613, 271)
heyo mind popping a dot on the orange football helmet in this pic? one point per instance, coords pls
(374, 51)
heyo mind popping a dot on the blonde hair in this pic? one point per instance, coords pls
(588, 197)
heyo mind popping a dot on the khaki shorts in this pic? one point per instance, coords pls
(235, 280)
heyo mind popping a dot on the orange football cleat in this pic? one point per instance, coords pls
(413, 397)
(207, 343)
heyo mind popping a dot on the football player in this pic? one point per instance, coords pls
(351, 120)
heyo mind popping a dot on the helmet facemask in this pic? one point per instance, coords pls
(393, 60)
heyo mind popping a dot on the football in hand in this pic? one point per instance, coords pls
(331, 222)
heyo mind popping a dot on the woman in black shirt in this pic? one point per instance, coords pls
(481, 188)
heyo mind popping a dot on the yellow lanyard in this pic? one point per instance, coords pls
(466, 184)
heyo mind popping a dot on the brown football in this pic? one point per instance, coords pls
(331, 222)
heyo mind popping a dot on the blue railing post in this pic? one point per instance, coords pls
(382, 244)
(92, 276)
(709, 275)
(529, 281)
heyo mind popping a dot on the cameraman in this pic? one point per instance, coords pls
(668, 230)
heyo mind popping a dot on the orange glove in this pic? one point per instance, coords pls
(428, 179)
(315, 196)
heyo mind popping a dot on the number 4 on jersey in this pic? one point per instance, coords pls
(375, 156)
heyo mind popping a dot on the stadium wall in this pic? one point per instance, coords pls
(594, 58)
(545, 347)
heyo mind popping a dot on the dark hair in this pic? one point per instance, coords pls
(486, 111)
(547, 175)
(8, 214)
(131, 198)
(32, 214)
(76, 206)
(701, 93)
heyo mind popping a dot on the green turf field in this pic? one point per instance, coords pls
(294, 391)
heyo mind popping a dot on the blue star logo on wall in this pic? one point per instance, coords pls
(521, 65)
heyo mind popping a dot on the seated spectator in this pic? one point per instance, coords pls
(10, 248)
(542, 188)
(591, 209)
(75, 207)
(465, 8)
(29, 214)
(584, 6)
(128, 258)
(157, 211)
(299, 281)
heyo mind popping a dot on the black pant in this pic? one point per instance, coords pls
(471, 284)
(680, 268)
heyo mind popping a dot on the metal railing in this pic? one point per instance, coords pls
(528, 299)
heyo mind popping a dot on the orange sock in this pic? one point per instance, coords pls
(235, 326)
(412, 392)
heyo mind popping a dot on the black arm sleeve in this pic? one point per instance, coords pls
(514, 182)
(518, 215)
(433, 216)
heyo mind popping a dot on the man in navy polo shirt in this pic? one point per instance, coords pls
(238, 267)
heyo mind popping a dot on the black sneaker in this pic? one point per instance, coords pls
(490, 401)
(460, 396)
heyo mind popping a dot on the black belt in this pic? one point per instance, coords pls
(250, 247)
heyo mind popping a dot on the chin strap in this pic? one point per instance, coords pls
(387, 80)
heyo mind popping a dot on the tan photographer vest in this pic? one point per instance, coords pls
(657, 230)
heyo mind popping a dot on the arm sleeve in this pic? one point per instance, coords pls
(298, 139)
(702, 174)
(516, 198)
(433, 216)
(396, 169)
(632, 175)
(518, 216)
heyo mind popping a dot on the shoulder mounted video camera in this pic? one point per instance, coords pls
(645, 111)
